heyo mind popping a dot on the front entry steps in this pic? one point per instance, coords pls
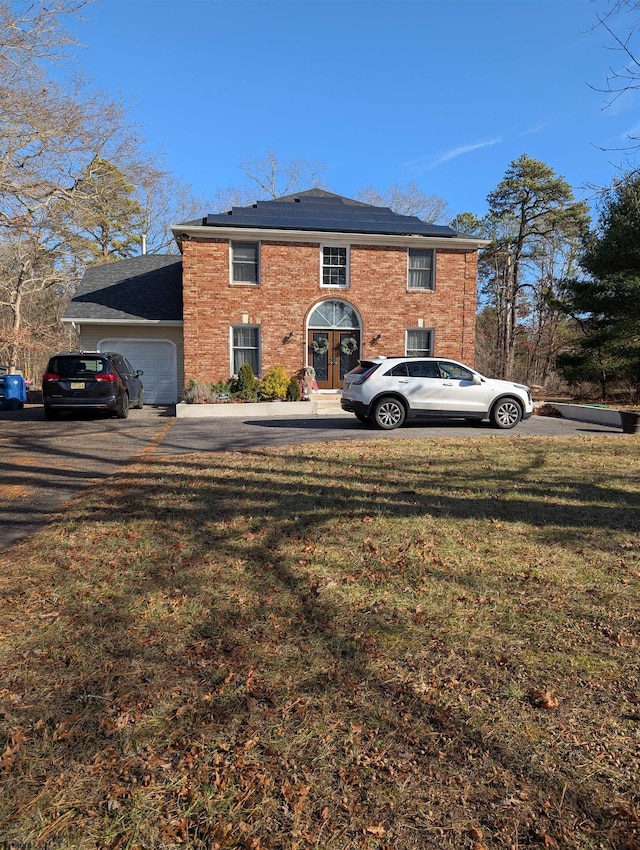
(326, 404)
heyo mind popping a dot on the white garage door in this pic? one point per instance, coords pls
(158, 360)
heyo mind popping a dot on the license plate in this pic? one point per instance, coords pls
(77, 385)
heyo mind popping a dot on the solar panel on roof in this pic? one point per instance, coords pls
(328, 213)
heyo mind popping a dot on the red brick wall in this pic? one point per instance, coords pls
(290, 287)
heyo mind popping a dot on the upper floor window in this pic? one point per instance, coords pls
(421, 266)
(335, 270)
(419, 342)
(245, 262)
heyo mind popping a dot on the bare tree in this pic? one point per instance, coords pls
(276, 178)
(407, 200)
(270, 177)
(31, 32)
(166, 201)
(622, 23)
(50, 134)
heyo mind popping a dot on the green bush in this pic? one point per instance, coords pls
(293, 390)
(274, 384)
(222, 387)
(246, 378)
(245, 385)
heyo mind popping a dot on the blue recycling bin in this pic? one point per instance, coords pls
(13, 392)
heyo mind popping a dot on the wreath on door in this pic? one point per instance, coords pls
(349, 345)
(320, 345)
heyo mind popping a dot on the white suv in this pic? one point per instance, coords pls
(388, 390)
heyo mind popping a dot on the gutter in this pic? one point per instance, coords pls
(326, 236)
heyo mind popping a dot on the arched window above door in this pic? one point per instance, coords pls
(334, 314)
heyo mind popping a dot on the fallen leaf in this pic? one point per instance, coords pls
(543, 699)
(378, 830)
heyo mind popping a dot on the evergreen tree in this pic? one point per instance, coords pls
(606, 303)
(103, 220)
(532, 216)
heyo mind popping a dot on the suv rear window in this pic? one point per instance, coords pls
(66, 366)
(364, 366)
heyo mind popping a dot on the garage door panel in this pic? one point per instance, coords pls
(157, 359)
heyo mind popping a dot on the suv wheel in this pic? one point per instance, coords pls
(122, 410)
(389, 413)
(506, 413)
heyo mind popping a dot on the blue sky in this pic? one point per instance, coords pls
(444, 94)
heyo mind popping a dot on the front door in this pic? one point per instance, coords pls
(333, 353)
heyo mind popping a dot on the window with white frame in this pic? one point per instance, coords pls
(245, 347)
(335, 266)
(419, 342)
(421, 268)
(245, 259)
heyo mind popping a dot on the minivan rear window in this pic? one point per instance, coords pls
(65, 366)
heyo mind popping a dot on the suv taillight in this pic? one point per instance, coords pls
(50, 376)
(363, 377)
(108, 377)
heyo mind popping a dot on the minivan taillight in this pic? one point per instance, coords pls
(50, 376)
(108, 377)
(363, 377)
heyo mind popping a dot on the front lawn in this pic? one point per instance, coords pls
(383, 644)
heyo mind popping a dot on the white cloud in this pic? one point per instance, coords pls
(425, 163)
(536, 128)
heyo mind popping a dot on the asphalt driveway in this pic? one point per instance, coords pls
(46, 463)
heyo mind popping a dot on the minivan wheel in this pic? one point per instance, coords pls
(389, 413)
(122, 411)
(506, 413)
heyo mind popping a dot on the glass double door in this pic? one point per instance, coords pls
(333, 353)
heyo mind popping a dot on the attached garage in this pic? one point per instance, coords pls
(158, 360)
(134, 307)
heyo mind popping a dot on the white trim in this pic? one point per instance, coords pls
(169, 323)
(434, 256)
(335, 286)
(250, 234)
(241, 325)
(311, 311)
(432, 336)
(233, 282)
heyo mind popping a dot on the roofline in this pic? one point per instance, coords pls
(321, 236)
(171, 323)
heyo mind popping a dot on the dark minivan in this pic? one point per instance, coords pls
(91, 380)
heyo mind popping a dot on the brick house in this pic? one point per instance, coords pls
(312, 279)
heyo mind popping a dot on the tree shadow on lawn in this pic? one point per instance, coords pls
(195, 648)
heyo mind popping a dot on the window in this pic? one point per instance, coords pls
(334, 266)
(423, 369)
(455, 371)
(244, 262)
(420, 342)
(398, 371)
(245, 347)
(420, 268)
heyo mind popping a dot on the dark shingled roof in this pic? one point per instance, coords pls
(319, 210)
(146, 287)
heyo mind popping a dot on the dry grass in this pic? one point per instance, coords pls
(420, 644)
